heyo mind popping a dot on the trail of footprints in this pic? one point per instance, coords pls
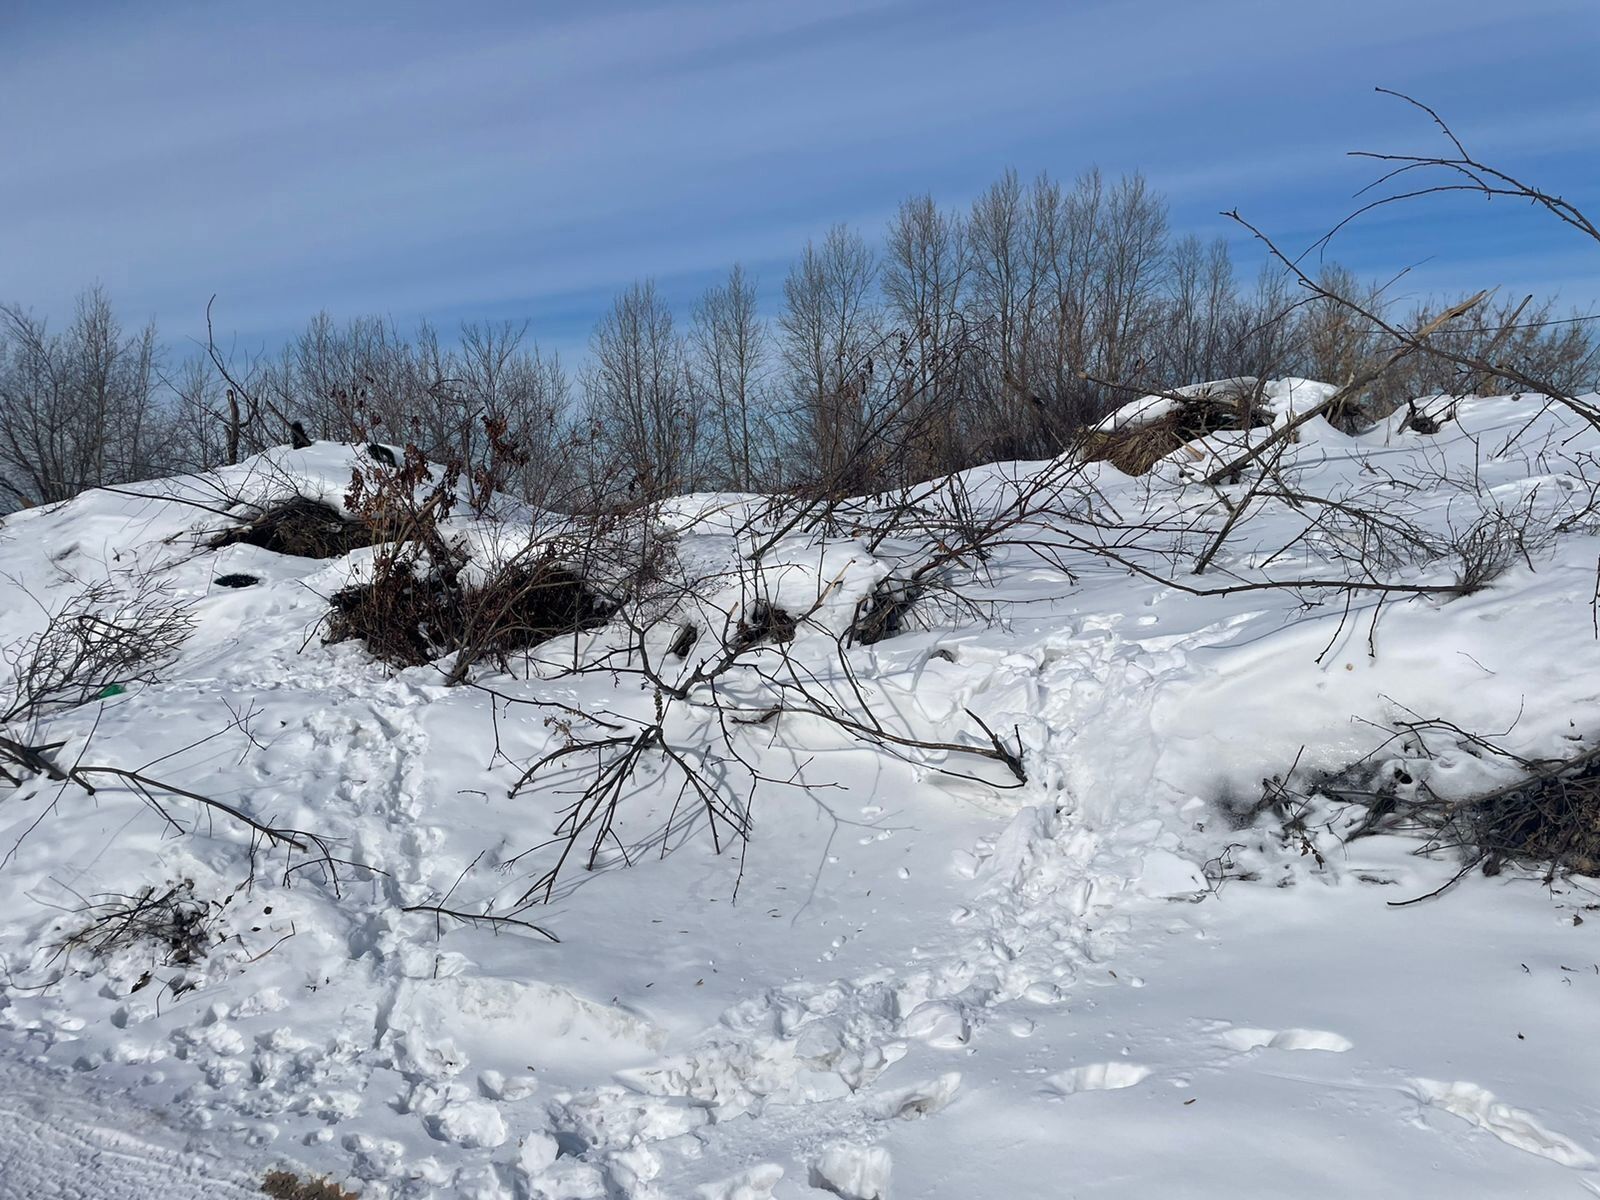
(1118, 1074)
(1469, 1102)
(813, 1052)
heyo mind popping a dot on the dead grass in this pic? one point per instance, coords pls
(1134, 449)
(764, 623)
(286, 1185)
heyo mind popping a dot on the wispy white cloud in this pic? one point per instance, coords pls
(500, 157)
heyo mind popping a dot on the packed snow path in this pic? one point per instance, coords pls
(909, 985)
(800, 1066)
(65, 1140)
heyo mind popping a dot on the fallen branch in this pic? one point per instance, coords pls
(1231, 470)
(473, 918)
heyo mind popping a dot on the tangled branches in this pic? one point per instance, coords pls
(91, 649)
(1461, 792)
(100, 638)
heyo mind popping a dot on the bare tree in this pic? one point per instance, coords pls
(203, 417)
(924, 273)
(1129, 279)
(77, 409)
(1336, 343)
(1528, 333)
(1264, 336)
(638, 393)
(729, 345)
(1202, 298)
(829, 328)
(1004, 291)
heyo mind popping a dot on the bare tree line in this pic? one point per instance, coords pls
(963, 336)
(78, 408)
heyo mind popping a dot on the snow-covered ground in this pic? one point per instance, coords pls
(910, 982)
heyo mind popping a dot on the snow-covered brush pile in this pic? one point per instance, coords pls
(408, 617)
(1464, 795)
(1138, 435)
(309, 840)
(301, 527)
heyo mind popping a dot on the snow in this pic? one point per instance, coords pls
(853, 1172)
(909, 983)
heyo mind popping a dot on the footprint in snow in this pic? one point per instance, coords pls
(1096, 1077)
(1243, 1038)
(938, 1024)
(853, 1172)
(918, 1100)
(1513, 1126)
(755, 1184)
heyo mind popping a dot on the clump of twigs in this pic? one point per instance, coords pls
(1495, 541)
(397, 616)
(171, 920)
(883, 612)
(1547, 815)
(1295, 814)
(524, 604)
(98, 639)
(683, 641)
(301, 527)
(420, 602)
(1460, 792)
(1552, 817)
(764, 623)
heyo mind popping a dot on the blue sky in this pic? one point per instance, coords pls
(525, 160)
